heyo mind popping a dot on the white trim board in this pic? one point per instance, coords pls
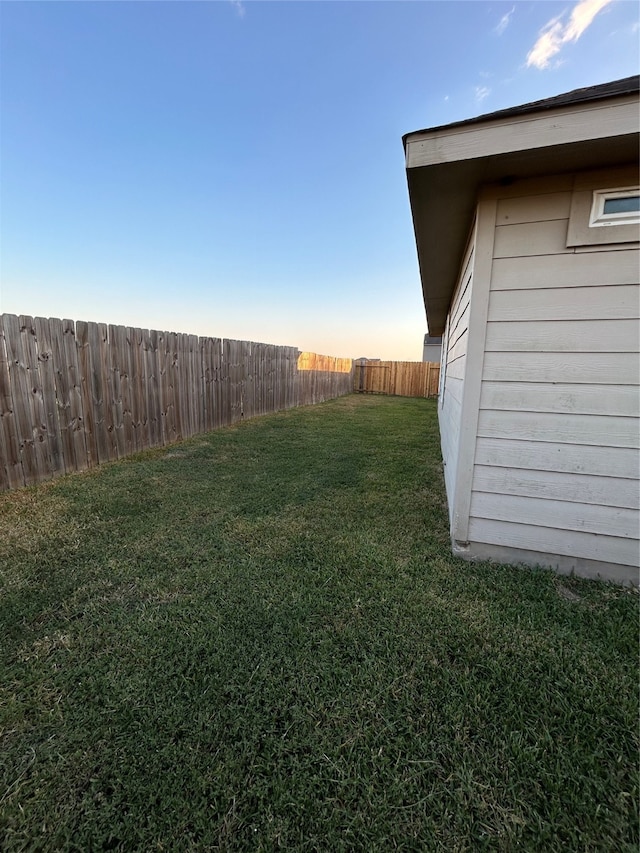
(561, 126)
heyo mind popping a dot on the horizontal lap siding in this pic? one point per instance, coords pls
(600, 430)
(584, 368)
(584, 336)
(545, 512)
(557, 464)
(556, 485)
(557, 456)
(567, 270)
(560, 397)
(614, 302)
(555, 540)
(453, 364)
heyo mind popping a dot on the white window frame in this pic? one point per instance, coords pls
(599, 218)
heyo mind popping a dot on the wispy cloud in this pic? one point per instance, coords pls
(504, 22)
(481, 93)
(556, 33)
(237, 4)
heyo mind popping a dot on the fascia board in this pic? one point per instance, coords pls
(606, 119)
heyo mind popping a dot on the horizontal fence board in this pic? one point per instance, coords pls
(74, 395)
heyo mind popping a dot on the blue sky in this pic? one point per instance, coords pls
(235, 169)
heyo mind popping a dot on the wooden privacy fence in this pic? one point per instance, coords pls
(322, 377)
(402, 378)
(73, 395)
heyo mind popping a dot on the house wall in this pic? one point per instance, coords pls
(452, 371)
(556, 464)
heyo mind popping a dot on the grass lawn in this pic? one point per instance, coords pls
(259, 640)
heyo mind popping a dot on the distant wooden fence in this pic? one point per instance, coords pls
(322, 377)
(402, 378)
(73, 395)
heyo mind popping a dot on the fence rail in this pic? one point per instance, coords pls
(73, 395)
(402, 378)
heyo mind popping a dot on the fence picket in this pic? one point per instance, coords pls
(84, 364)
(11, 470)
(194, 388)
(117, 384)
(47, 370)
(77, 424)
(101, 392)
(153, 399)
(73, 395)
(22, 364)
(401, 378)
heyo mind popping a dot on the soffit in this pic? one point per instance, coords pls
(446, 176)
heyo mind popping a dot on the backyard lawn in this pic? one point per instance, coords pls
(258, 640)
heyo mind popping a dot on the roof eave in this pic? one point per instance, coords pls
(444, 173)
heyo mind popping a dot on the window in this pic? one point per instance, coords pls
(615, 207)
(605, 208)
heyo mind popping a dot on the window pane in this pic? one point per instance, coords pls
(630, 204)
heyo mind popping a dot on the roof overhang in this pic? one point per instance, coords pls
(446, 166)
